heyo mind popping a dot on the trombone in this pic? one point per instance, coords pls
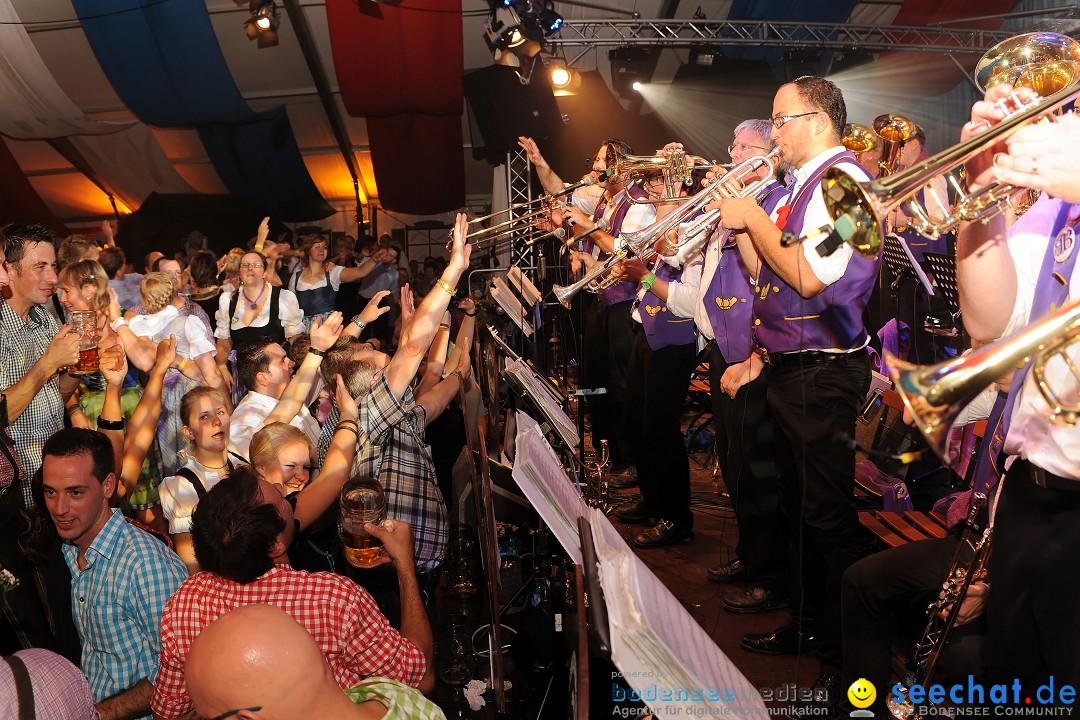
(520, 227)
(653, 240)
(1047, 63)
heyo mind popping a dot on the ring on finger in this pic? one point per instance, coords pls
(1034, 166)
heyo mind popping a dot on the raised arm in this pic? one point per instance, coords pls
(113, 366)
(551, 182)
(320, 494)
(368, 315)
(143, 424)
(436, 358)
(416, 337)
(323, 336)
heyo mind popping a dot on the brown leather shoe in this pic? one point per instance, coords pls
(754, 599)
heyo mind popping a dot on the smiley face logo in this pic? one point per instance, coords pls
(862, 693)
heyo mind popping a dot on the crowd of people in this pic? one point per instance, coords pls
(167, 516)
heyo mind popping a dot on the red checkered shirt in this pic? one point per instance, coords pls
(354, 636)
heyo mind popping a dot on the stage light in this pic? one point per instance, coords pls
(629, 65)
(560, 77)
(550, 21)
(263, 23)
(637, 87)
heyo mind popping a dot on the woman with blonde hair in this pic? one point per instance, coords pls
(194, 352)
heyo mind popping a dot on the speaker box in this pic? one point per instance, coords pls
(502, 108)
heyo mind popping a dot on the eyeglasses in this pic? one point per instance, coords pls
(250, 266)
(237, 711)
(743, 147)
(781, 120)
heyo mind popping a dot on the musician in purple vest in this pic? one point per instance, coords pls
(609, 329)
(1011, 276)
(744, 435)
(808, 318)
(661, 363)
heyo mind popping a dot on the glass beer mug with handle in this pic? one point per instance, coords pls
(362, 501)
(85, 324)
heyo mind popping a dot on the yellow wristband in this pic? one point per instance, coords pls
(182, 365)
(447, 287)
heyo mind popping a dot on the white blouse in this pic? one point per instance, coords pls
(295, 283)
(289, 313)
(178, 496)
(192, 337)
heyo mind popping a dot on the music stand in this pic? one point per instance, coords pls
(899, 259)
(943, 268)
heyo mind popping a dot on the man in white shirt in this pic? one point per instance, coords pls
(265, 370)
(1010, 276)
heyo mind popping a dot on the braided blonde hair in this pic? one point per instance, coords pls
(157, 291)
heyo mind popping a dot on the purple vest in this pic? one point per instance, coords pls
(625, 290)
(832, 319)
(729, 299)
(662, 326)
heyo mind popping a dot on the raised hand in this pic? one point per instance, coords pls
(467, 304)
(397, 540)
(408, 304)
(112, 362)
(461, 250)
(372, 311)
(262, 234)
(324, 333)
(529, 146)
(114, 305)
(346, 403)
(166, 353)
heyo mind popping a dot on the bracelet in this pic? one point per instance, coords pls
(183, 363)
(444, 325)
(69, 410)
(359, 323)
(117, 324)
(317, 352)
(447, 287)
(348, 420)
(351, 429)
(460, 377)
(470, 314)
(104, 424)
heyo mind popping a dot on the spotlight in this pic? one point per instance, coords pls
(629, 66)
(550, 21)
(637, 87)
(263, 23)
(560, 77)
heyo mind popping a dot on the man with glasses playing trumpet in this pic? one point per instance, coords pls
(744, 436)
(808, 319)
(1010, 274)
(609, 329)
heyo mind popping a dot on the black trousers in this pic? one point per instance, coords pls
(609, 337)
(747, 456)
(1035, 589)
(655, 392)
(809, 406)
(887, 594)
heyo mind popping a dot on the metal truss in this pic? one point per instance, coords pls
(840, 36)
(519, 192)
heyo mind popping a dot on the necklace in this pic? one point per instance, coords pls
(211, 467)
(254, 303)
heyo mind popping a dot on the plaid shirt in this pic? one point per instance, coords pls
(60, 689)
(399, 458)
(355, 638)
(21, 345)
(402, 702)
(117, 602)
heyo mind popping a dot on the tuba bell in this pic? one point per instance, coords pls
(935, 394)
(1050, 62)
(675, 166)
(858, 138)
(894, 131)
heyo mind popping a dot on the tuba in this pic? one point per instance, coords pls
(894, 131)
(858, 138)
(1047, 63)
(935, 394)
(676, 167)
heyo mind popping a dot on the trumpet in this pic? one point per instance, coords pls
(935, 394)
(1044, 62)
(653, 240)
(894, 131)
(521, 226)
(676, 166)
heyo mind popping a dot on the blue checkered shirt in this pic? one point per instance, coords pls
(117, 602)
(22, 343)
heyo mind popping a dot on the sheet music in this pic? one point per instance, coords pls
(539, 392)
(541, 477)
(661, 650)
(520, 282)
(925, 281)
(521, 316)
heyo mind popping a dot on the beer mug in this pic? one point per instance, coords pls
(362, 501)
(85, 324)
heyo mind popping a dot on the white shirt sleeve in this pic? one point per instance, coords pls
(335, 277)
(199, 340)
(683, 293)
(586, 198)
(290, 314)
(221, 317)
(831, 268)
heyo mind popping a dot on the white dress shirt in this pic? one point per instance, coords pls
(827, 269)
(1052, 446)
(178, 496)
(250, 415)
(289, 313)
(638, 217)
(192, 337)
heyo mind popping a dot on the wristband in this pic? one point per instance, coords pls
(647, 283)
(354, 431)
(117, 324)
(447, 287)
(317, 352)
(183, 363)
(104, 424)
(444, 325)
(470, 314)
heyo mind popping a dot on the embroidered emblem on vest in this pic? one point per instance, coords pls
(654, 309)
(726, 303)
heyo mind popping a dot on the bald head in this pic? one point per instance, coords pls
(258, 656)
